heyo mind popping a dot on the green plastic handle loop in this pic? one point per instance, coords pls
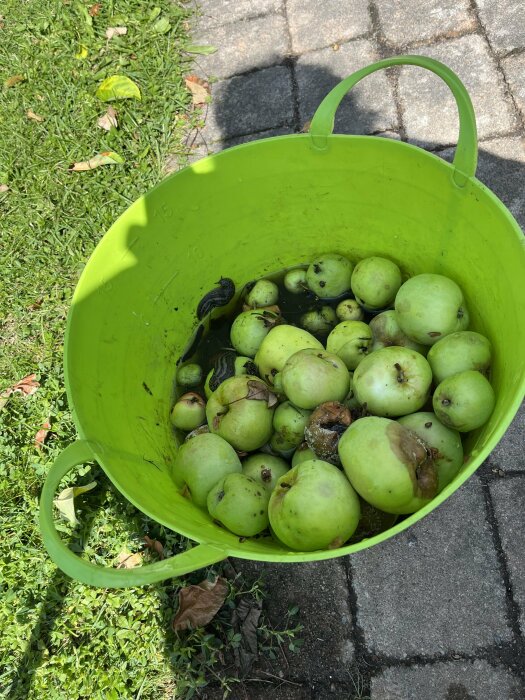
(91, 574)
(466, 156)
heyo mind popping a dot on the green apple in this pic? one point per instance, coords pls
(189, 411)
(448, 456)
(295, 281)
(464, 401)
(262, 293)
(313, 506)
(392, 381)
(240, 503)
(280, 343)
(349, 310)
(303, 454)
(375, 282)
(189, 375)
(430, 307)
(386, 332)
(311, 377)
(250, 328)
(265, 469)
(329, 275)
(279, 444)
(201, 462)
(319, 321)
(459, 352)
(326, 425)
(290, 421)
(241, 410)
(388, 465)
(351, 341)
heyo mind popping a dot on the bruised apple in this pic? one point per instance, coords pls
(388, 465)
(314, 506)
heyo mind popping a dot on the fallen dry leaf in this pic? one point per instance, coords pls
(35, 117)
(115, 31)
(14, 80)
(42, 434)
(126, 560)
(27, 386)
(258, 391)
(35, 305)
(306, 127)
(199, 604)
(3, 188)
(95, 9)
(106, 121)
(106, 158)
(199, 88)
(154, 545)
(245, 620)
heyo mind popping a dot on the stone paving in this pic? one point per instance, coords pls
(438, 613)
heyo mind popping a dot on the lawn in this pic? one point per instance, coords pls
(61, 639)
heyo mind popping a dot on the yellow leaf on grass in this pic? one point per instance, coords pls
(3, 188)
(106, 158)
(66, 500)
(81, 53)
(35, 117)
(118, 87)
(126, 560)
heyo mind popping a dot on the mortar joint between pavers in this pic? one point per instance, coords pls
(386, 50)
(290, 61)
(520, 118)
(513, 610)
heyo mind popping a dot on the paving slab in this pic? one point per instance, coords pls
(219, 12)
(501, 166)
(430, 112)
(454, 680)
(250, 103)
(504, 22)
(320, 590)
(243, 45)
(514, 69)
(368, 108)
(508, 496)
(410, 21)
(341, 20)
(509, 453)
(435, 588)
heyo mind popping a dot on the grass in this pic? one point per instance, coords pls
(61, 639)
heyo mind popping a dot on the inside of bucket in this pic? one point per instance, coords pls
(134, 310)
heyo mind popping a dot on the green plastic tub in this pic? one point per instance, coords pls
(248, 211)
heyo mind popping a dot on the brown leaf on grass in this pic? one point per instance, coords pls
(35, 117)
(95, 9)
(115, 31)
(199, 604)
(27, 386)
(42, 434)
(106, 121)
(3, 188)
(126, 560)
(258, 391)
(35, 305)
(154, 545)
(199, 88)
(14, 80)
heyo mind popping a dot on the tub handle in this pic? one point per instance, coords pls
(105, 577)
(466, 156)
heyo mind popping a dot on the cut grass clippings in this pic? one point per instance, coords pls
(62, 639)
